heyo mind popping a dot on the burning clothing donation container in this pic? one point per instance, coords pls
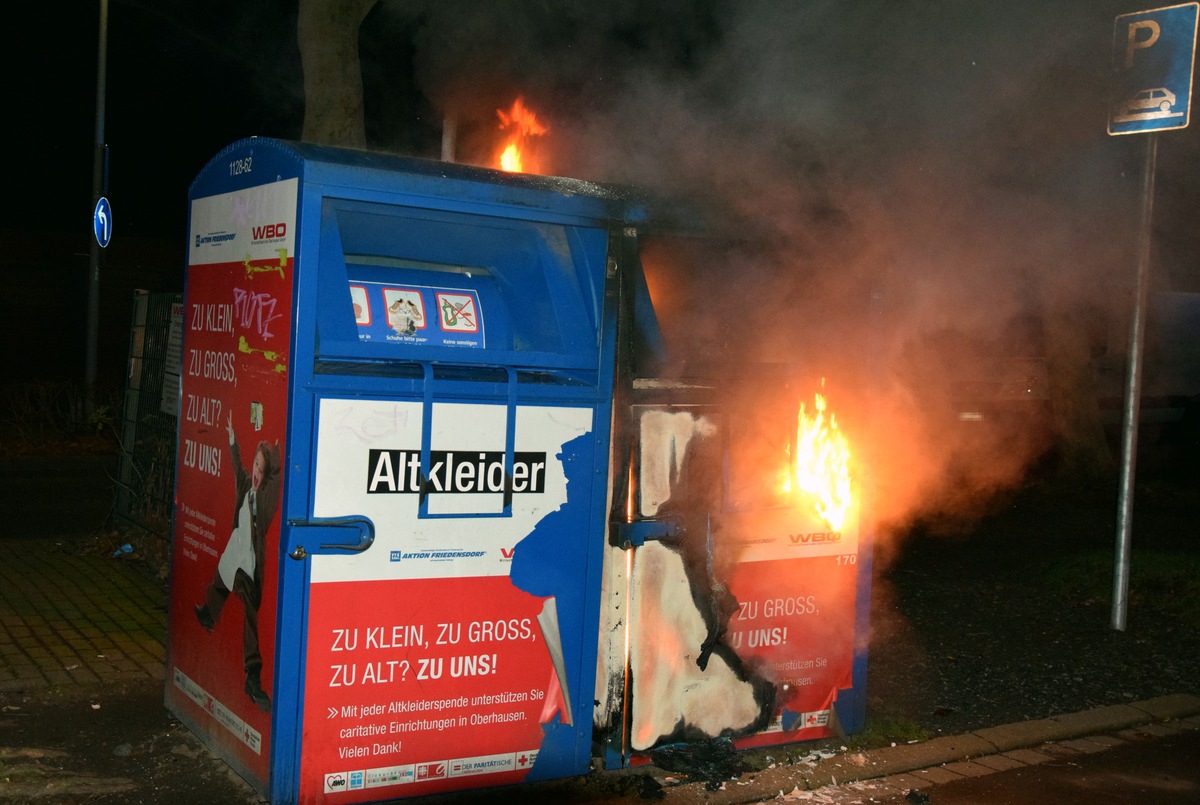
(737, 584)
(392, 489)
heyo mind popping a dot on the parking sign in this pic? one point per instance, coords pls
(1153, 53)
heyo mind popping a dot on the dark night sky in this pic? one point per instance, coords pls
(956, 149)
(182, 82)
(867, 84)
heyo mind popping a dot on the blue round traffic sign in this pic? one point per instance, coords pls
(102, 222)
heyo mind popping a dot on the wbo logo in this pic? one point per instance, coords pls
(816, 538)
(269, 231)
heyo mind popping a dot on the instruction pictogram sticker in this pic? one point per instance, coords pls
(457, 312)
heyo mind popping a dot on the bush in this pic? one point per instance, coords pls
(38, 415)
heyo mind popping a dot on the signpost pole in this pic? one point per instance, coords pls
(98, 182)
(1133, 391)
(1153, 56)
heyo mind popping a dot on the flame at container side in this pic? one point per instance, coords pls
(821, 468)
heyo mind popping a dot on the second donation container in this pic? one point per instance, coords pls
(393, 475)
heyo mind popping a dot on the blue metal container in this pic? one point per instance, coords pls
(391, 499)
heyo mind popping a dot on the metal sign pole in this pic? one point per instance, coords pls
(1133, 392)
(98, 182)
(1153, 57)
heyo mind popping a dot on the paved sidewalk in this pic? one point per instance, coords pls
(892, 772)
(68, 618)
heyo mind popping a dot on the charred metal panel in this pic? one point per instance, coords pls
(740, 609)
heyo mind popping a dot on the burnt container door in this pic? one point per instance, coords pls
(746, 609)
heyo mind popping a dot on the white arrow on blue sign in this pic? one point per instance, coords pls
(1153, 53)
(102, 222)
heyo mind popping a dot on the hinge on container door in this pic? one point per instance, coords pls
(635, 534)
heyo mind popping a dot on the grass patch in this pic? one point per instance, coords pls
(879, 732)
(1164, 582)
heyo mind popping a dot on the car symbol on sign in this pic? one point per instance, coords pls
(1146, 105)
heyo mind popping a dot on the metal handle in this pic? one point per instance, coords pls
(363, 525)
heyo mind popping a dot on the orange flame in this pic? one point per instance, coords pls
(521, 124)
(821, 469)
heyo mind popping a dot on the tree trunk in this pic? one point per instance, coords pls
(327, 32)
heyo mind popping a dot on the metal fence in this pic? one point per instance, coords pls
(146, 463)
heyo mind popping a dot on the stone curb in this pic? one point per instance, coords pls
(1059, 728)
(896, 760)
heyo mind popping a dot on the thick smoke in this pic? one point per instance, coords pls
(895, 197)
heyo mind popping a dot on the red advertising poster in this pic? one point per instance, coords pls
(429, 668)
(438, 681)
(796, 587)
(231, 453)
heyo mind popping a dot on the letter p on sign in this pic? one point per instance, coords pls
(1137, 42)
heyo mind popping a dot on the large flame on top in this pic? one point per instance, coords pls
(521, 124)
(820, 470)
